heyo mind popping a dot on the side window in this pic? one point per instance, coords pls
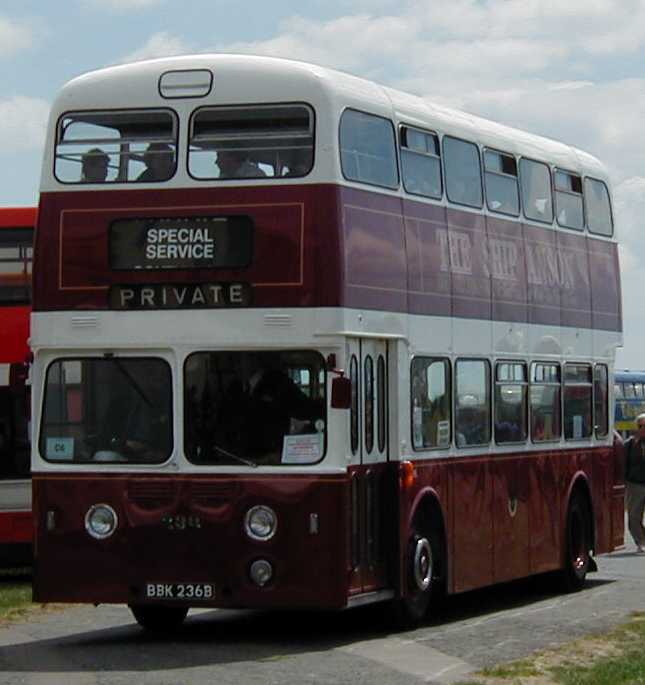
(502, 194)
(598, 207)
(116, 146)
(368, 386)
(535, 182)
(568, 200)
(367, 149)
(629, 391)
(463, 172)
(381, 375)
(251, 142)
(600, 400)
(431, 402)
(511, 389)
(472, 402)
(577, 401)
(544, 400)
(353, 413)
(420, 162)
(618, 391)
(16, 255)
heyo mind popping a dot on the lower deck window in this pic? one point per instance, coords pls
(255, 408)
(107, 410)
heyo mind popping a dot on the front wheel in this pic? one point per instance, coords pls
(422, 577)
(577, 562)
(157, 619)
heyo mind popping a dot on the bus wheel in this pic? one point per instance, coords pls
(158, 619)
(422, 560)
(578, 543)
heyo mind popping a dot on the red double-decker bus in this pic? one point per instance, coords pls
(16, 238)
(305, 341)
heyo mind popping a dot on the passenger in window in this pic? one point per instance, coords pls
(299, 163)
(236, 164)
(94, 166)
(160, 163)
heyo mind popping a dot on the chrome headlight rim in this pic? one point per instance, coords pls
(263, 510)
(88, 521)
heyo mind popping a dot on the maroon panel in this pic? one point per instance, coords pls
(14, 332)
(375, 258)
(468, 251)
(310, 569)
(510, 515)
(575, 285)
(544, 512)
(472, 543)
(542, 275)
(507, 270)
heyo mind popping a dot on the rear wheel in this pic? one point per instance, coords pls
(578, 544)
(157, 619)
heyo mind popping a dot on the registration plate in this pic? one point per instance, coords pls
(180, 591)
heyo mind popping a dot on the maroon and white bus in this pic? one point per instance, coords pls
(16, 238)
(305, 341)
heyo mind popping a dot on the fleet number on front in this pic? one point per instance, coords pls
(179, 591)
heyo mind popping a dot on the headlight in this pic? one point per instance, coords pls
(101, 521)
(260, 523)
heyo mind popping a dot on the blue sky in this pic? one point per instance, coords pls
(571, 70)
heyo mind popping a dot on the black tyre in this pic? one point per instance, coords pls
(423, 581)
(156, 619)
(578, 541)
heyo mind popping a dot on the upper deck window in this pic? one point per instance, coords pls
(251, 142)
(598, 207)
(568, 200)
(502, 194)
(463, 172)
(421, 162)
(116, 147)
(535, 180)
(15, 265)
(367, 149)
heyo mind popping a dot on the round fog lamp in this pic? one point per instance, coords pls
(100, 521)
(260, 523)
(261, 572)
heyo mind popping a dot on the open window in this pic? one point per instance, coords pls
(123, 146)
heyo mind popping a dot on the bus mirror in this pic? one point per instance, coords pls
(341, 393)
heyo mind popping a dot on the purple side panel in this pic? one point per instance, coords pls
(542, 275)
(575, 288)
(375, 259)
(429, 274)
(507, 270)
(467, 247)
(604, 273)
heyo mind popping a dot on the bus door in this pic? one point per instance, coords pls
(369, 490)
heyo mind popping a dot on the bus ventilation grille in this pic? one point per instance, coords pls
(152, 495)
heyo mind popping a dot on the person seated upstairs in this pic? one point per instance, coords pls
(94, 166)
(160, 163)
(236, 164)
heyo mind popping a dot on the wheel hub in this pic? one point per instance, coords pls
(422, 564)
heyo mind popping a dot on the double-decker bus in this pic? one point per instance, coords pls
(629, 394)
(302, 340)
(16, 238)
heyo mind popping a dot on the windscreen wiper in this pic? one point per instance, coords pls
(241, 460)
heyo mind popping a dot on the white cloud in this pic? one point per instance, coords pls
(24, 122)
(14, 37)
(123, 5)
(161, 44)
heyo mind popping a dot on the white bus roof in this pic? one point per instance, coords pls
(240, 79)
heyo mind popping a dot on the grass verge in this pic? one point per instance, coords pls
(617, 658)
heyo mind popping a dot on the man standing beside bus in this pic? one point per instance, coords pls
(635, 483)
